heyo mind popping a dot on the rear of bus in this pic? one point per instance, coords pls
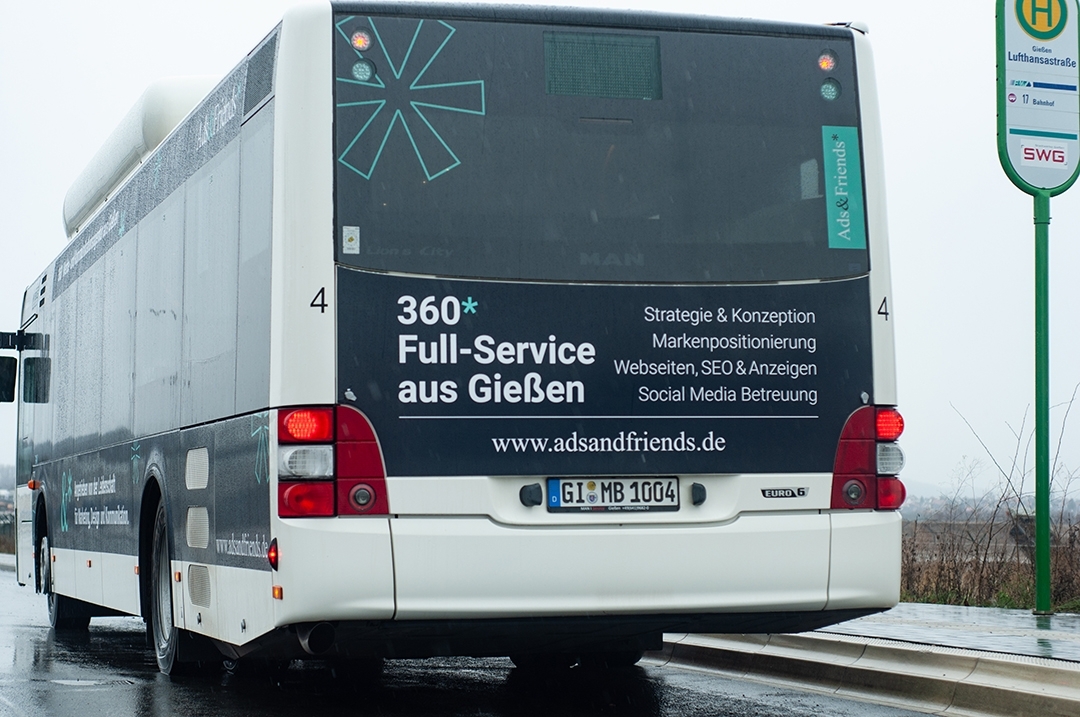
(602, 346)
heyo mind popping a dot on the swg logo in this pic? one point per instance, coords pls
(1042, 19)
(1044, 155)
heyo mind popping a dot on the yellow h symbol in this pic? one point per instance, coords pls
(1045, 9)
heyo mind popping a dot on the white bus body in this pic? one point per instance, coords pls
(361, 434)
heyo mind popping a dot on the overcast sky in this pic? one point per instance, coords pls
(961, 234)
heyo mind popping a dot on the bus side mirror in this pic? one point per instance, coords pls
(8, 367)
(36, 370)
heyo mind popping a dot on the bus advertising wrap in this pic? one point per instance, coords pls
(500, 378)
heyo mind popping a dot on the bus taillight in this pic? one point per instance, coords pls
(305, 499)
(305, 425)
(889, 424)
(867, 461)
(361, 476)
(329, 464)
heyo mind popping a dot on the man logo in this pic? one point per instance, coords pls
(1042, 19)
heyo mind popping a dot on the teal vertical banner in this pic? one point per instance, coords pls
(843, 187)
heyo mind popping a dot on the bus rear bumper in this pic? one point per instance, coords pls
(472, 568)
(404, 639)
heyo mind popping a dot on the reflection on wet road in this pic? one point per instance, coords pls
(109, 671)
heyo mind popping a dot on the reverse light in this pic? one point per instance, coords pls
(890, 459)
(306, 461)
(306, 425)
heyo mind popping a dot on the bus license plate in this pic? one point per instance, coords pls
(578, 495)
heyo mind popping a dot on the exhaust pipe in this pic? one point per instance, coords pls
(316, 638)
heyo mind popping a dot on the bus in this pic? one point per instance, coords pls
(441, 329)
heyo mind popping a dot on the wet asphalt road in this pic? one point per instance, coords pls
(109, 671)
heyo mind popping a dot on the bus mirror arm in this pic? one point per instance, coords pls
(21, 340)
(15, 340)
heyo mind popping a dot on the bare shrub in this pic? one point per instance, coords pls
(978, 548)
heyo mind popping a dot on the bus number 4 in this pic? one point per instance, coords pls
(319, 302)
(883, 310)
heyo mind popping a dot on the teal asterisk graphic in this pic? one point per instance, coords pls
(469, 306)
(135, 457)
(67, 493)
(260, 431)
(414, 116)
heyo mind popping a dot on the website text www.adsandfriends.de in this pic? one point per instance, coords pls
(625, 442)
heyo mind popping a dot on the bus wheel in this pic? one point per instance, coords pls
(64, 612)
(166, 637)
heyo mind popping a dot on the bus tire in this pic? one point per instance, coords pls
(65, 614)
(165, 635)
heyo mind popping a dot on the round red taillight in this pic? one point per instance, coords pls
(889, 425)
(272, 554)
(308, 425)
(891, 494)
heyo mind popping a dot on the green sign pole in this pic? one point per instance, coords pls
(1038, 103)
(1042, 404)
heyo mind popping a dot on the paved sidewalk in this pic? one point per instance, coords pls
(940, 659)
(1013, 632)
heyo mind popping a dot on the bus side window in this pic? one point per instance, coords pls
(8, 366)
(36, 379)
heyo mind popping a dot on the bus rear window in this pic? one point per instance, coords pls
(518, 151)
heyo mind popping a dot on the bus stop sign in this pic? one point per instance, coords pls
(1038, 49)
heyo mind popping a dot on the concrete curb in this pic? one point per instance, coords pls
(939, 680)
